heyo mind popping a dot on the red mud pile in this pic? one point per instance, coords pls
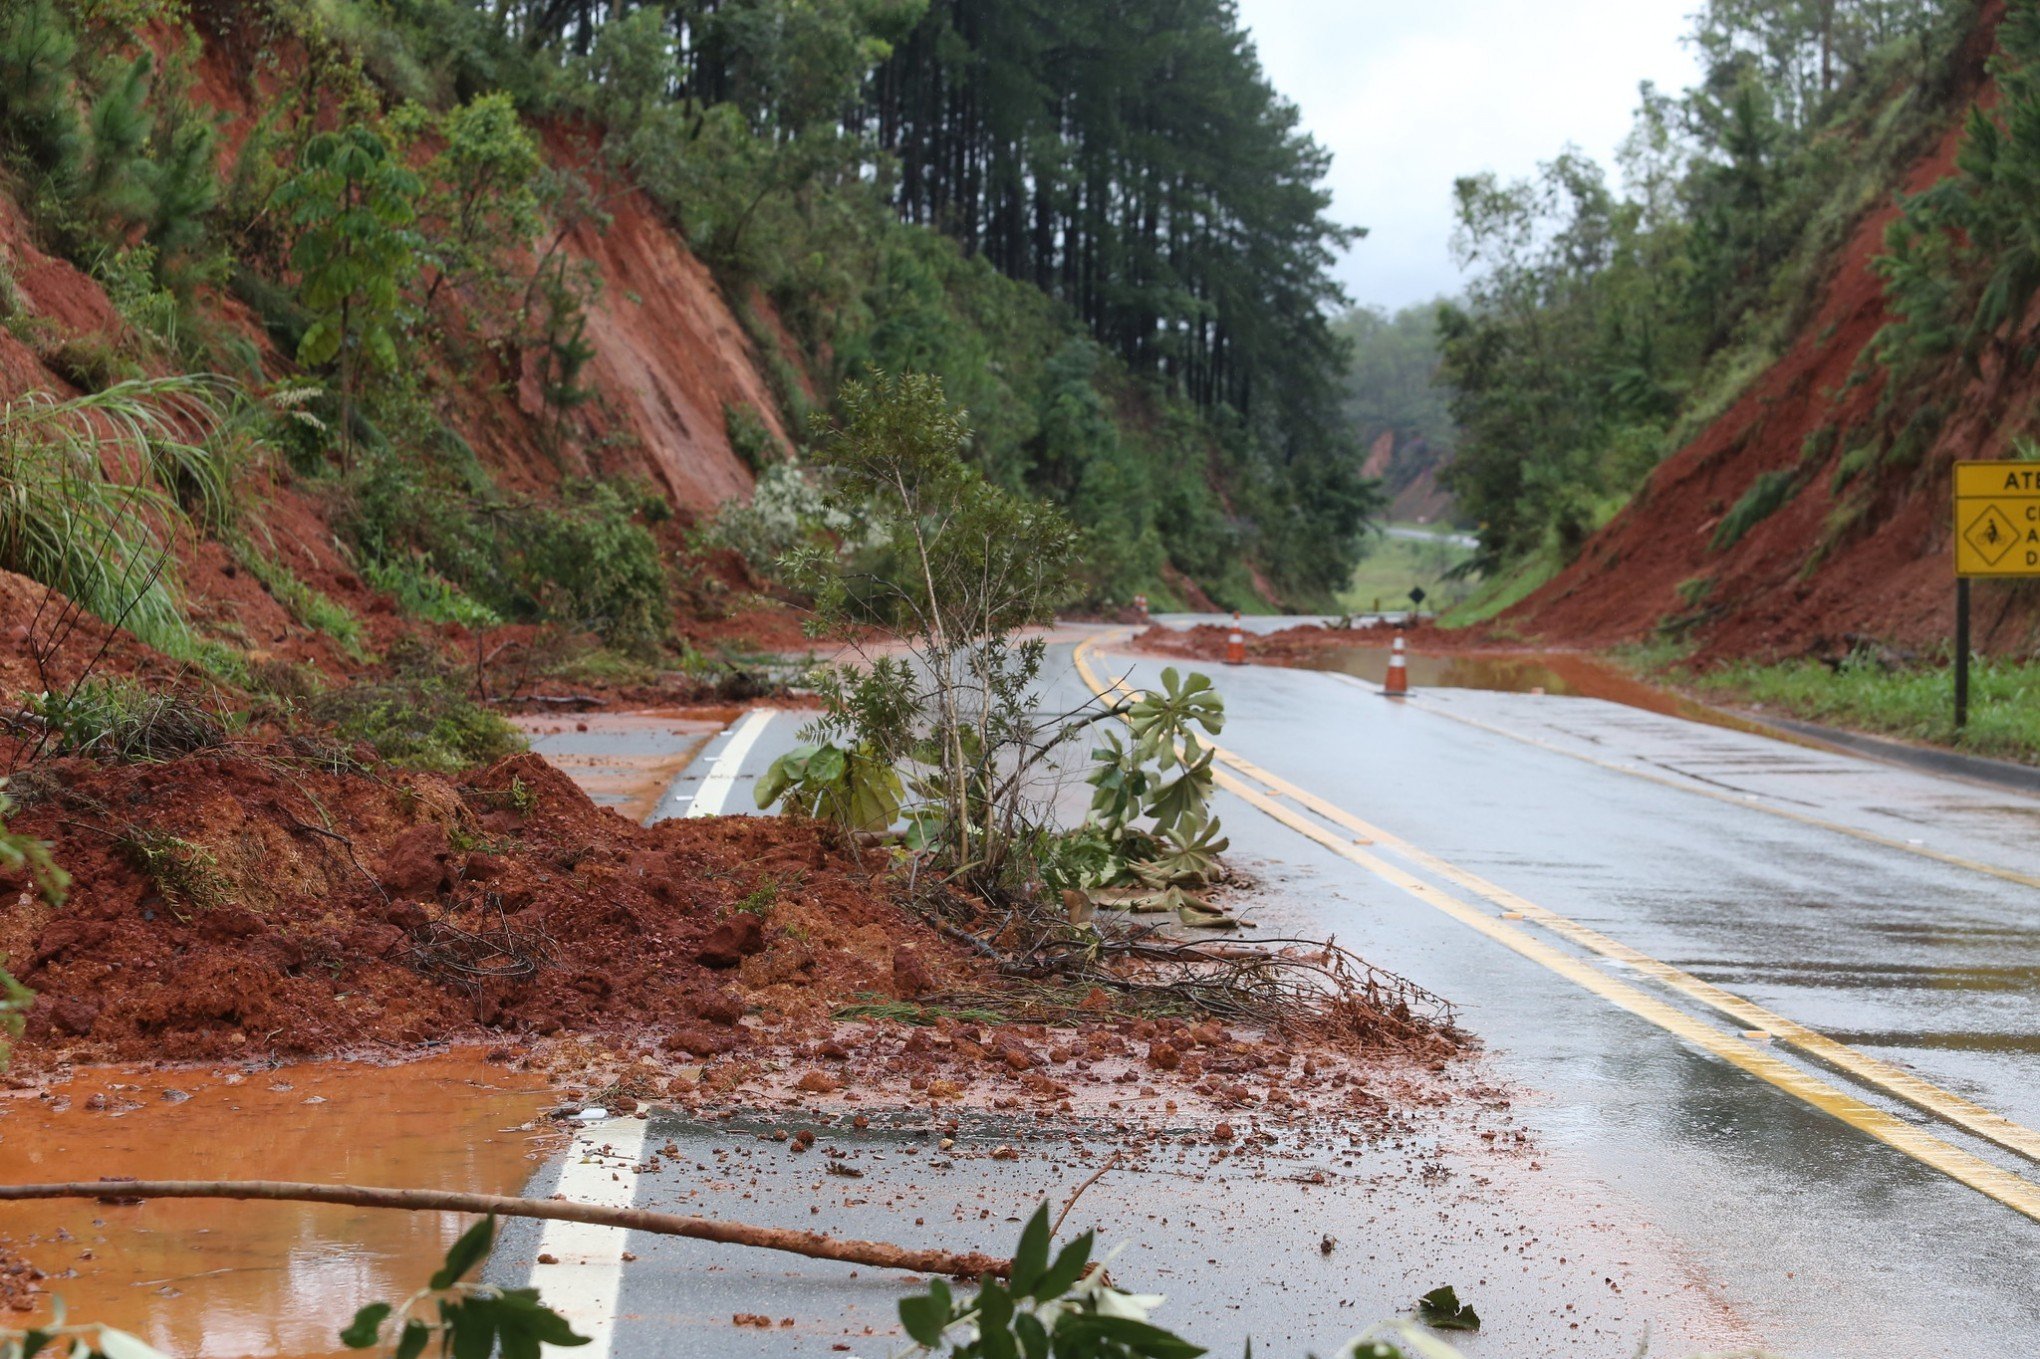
(253, 901)
(1208, 641)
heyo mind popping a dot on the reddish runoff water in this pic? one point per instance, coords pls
(222, 1279)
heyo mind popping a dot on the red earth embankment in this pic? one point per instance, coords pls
(1829, 565)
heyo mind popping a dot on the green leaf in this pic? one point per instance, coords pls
(1067, 1269)
(472, 1327)
(1032, 1335)
(520, 1315)
(1031, 1259)
(924, 1319)
(362, 1332)
(470, 1250)
(1442, 1310)
(995, 1325)
(416, 1335)
(826, 765)
(1137, 1336)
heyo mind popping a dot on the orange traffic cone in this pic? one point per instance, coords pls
(1397, 684)
(1236, 644)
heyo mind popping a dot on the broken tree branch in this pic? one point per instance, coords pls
(815, 1245)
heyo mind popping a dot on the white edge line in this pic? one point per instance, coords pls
(722, 776)
(587, 1284)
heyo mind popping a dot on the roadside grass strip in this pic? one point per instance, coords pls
(1309, 815)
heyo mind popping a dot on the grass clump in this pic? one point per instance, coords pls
(1914, 703)
(121, 719)
(185, 873)
(1765, 497)
(100, 538)
(418, 721)
(421, 592)
(313, 608)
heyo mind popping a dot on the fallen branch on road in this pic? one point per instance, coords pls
(815, 1245)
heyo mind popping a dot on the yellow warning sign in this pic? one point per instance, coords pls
(1997, 518)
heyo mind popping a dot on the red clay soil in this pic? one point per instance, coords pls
(1208, 641)
(436, 911)
(1773, 593)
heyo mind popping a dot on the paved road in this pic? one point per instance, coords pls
(1661, 931)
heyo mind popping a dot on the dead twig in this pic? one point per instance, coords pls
(814, 1245)
(1078, 1193)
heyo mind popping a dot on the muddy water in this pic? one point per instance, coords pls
(624, 760)
(221, 1279)
(1538, 673)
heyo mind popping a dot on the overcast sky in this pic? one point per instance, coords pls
(1408, 97)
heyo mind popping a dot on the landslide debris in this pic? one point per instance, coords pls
(263, 899)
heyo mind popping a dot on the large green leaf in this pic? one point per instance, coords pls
(470, 1250)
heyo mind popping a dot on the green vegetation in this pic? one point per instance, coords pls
(352, 205)
(1435, 563)
(1102, 231)
(1913, 703)
(92, 488)
(121, 719)
(1393, 387)
(1962, 265)
(946, 738)
(419, 720)
(29, 858)
(1765, 497)
(1604, 328)
(313, 608)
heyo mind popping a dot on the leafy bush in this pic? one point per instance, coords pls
(787, 512)
(437, 534)
(856, 788)
(963, 565)
(749, 438)
(419, 721)
(590, 563)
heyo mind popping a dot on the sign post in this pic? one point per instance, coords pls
(1997, 533)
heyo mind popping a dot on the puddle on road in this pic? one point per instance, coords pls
(220, 1280)
(1548, 673)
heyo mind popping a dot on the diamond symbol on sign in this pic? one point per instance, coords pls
(1992, 534)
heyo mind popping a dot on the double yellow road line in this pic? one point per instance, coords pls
(1355, 840)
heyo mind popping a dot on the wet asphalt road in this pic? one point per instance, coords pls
(1763, 1219)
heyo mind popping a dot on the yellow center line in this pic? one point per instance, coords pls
(1976, 1173)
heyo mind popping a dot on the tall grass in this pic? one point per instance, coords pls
(1916, 704)
(94, 488)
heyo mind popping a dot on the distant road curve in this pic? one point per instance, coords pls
(1420, 535)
